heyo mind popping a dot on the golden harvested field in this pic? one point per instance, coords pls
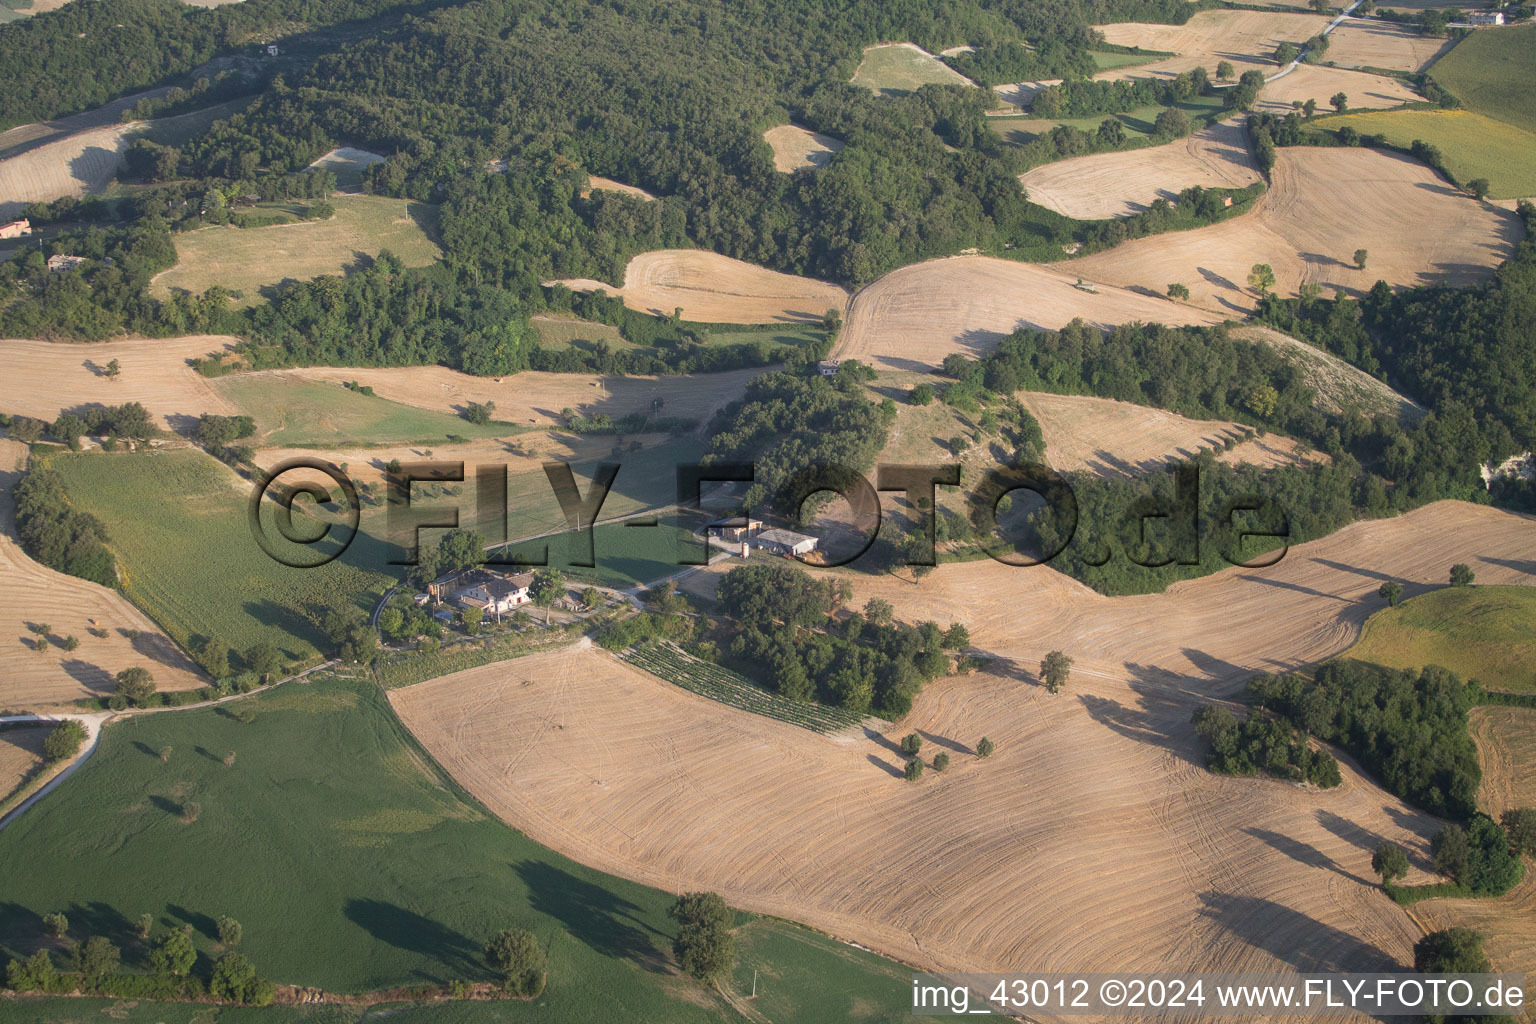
(1246, 38)
(248, 259)
(1373, 43)
(21, 751)
(1116, 184)
(795, 147)
(1322, 206)
(45, 378)
(1122, 439)
(1094, 820)
(73, 165)
(70, 607)
(717, 289)
(1508, 924)
(1506, 745)
(913, 317)
(536, 399)
(1316, 82)
(600, 184)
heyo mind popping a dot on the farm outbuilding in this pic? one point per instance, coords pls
(785, 542)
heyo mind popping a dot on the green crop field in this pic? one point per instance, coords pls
(354, 864)
(896, 70)
(628, 553)
(293, 412)
(177, 522)
(1491, 72)
(803, 975)
(1483, 633)
(249, 259)
(1474, 146)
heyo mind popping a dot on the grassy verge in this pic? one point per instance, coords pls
(302, 413)
(177, 522)
(1482, 633)
(404, 668)
(667, 661)
(353, 862)
(248, 260)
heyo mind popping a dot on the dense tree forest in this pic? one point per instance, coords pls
(783, 628)
(59, 536)
(1408, 728)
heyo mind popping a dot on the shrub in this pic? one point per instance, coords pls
(911, 743)
(57, 925)
(984, 748)
(63, 743)
(941, 762)
(516, 956)
(229, 930)
(704, 944)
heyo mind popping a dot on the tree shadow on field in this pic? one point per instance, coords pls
(97, 918)
(1305, 944)
(199, 922)
(1302, 853)
(880, 740)
(607, 923)
(1526, 566)
(1160, 717)
(413, 933)
(944, 741)
(1356, 835)
(92, 677)
(167, 805)
(880, 762)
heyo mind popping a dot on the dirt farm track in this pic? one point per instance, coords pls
(1092, 840)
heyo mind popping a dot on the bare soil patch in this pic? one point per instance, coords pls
(33, 594)
(712, 288)
(1316, 82)
(1373, 43)
(1117, 184)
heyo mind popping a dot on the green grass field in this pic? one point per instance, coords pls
(1483, 633)
(629, 554)
(250, 259)
(562, 332)
(290, 412)
(178, 525)
(805, 976)
(1138, 123)
(1108, 61)
(354, 864)
(897, 70)
(1491, 72)
(1474, 146)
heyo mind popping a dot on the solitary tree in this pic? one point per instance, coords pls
(1521, 826)
(1392, 591)
(1452, 951)
(1360, 257)
(1261, 277)
(174, 954)
(516, 956)
(922, 394)
(548, 587)
(1462, 575)
(97, 956)
(1390, 862)
(1285, 53)
(229, 931)
(704, 944)
(135, 684)
(1054, 670)
(914, 769)
(57, 925)
(591, 597)
(911, 743)
(113, 369)
(1340, 102)
(473, 616)
(941, 762)
(957, 637)
(71, 642)
(1178, 291)
(1225, 71)
(1478, 187)
(984, 748)
(63, 743)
